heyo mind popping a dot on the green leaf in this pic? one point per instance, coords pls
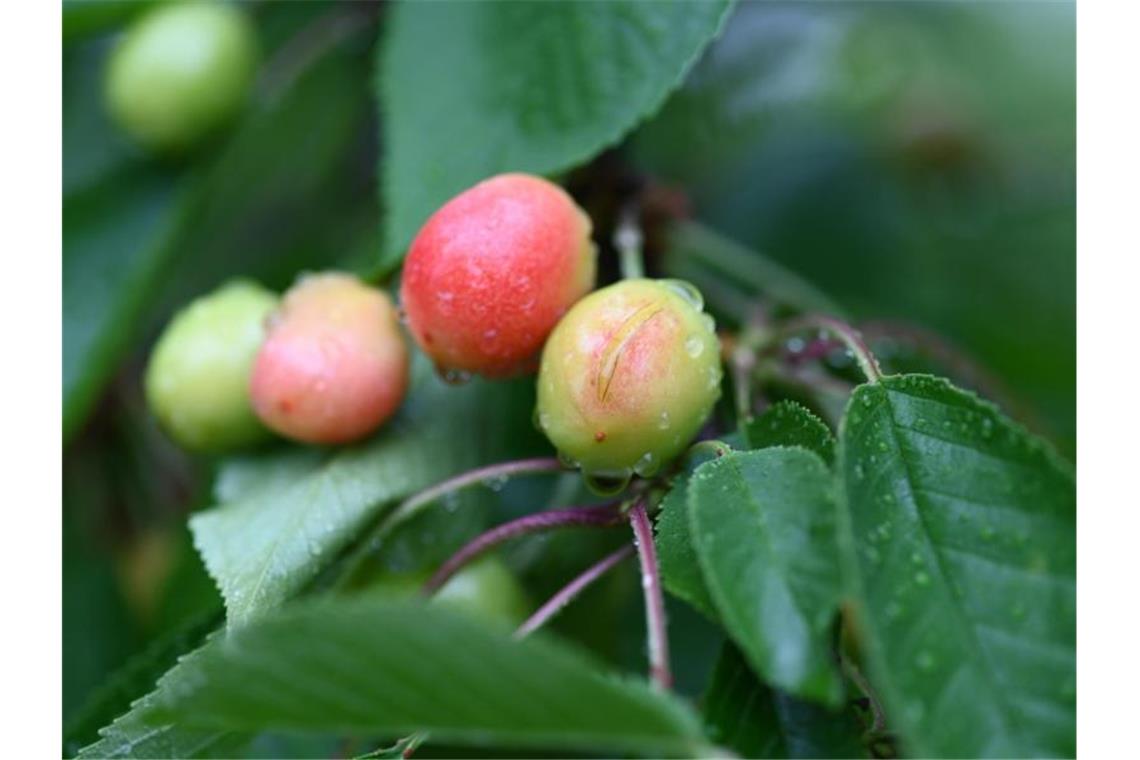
(959, 530)
(117, 237)
(131, 681)
(680, 570)
(763, 526)
(360, 666)
(757, 721)
(138, 734)
(787, 423)
(469, 90)
(289, 521)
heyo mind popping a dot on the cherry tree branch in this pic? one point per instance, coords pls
(658, 637)
(556, 603)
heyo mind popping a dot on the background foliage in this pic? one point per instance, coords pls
(911, 161)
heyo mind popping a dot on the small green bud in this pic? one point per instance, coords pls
(197, 382)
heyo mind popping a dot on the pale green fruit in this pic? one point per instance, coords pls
(181, 71)
(197, 382)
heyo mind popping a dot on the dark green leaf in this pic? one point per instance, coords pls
(288, 519)
(361, 666)
(680, 570)
(117, 237)
(763, 527)
(787, 423)
(756, 721)
(960, 534)
(133, 680)
(469, 90)
(137, 734)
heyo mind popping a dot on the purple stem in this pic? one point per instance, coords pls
(418, 501)
(592, 516)
(555, 604)
(845, 333)
(654, 602)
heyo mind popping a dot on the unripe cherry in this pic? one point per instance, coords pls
(197, 380)
(628, 377)
(334, 366)
(493, 270)
(181, 71)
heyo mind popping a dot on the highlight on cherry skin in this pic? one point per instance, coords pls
(181, 71)
(197, 379)
(628, 378)
(334, 365)
(492, 271)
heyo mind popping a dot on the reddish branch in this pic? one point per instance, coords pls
(592, 517)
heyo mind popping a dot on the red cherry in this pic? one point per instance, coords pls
(493, 270)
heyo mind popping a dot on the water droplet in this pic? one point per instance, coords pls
(496, 483)
(921, 578)
(924, 661)
(859, 473)
(894, 610)
(607, 483)
(916, 558)
(687, 291)
(694, 346)
(663, 422)
(987, 428)
(454, 376)
(647, 465)
(867, 400)
(795, 345)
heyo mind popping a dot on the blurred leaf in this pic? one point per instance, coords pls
(928, 143)
(117, 238)
(82, 18)
(300, 669)
(133, 680)
(734, 279)
(98, 631)
(787, 423)
(93, 147)
(763, 527)
(959, 530)
(136, 735)
(284, 527)
(753, 720)
(469, 90)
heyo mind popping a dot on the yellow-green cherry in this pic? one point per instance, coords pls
(628, 377)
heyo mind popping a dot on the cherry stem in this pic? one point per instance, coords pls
(628, 241)
(659, 670)
(556, 603)
(847, 334)
(602, 516)
(418, 501)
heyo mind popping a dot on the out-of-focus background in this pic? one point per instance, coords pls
(914, 160)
